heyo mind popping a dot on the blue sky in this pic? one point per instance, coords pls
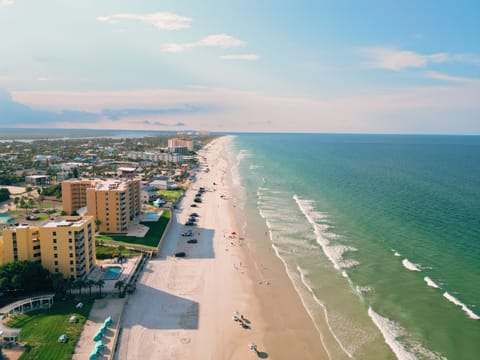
(323, 66)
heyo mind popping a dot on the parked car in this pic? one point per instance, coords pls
(194, 215)
(189, 223)
(187, 233)
(193, 205)
(197, 200)
(192, 241)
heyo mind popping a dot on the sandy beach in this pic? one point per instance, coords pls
(183, 307)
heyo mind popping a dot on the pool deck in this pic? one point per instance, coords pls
(99, 271)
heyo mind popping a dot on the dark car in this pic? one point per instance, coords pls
(193, 205)
(192, 241)
(197, 200)
(194, 215)
(189, 223)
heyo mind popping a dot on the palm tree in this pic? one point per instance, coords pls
(97, 223)
(100, 284)
(119, 285)
(89, 284)
(79, 284)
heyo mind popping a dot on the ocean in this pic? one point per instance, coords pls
(380, 235)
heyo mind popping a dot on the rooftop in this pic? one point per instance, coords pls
(65, 222)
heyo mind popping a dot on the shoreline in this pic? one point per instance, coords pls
(288, 329)
(183, 307)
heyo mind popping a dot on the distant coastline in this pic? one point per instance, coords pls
(32, 134)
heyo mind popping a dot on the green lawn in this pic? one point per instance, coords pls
(151, 239)
(42, 328)
(108, 252)
(170, 195)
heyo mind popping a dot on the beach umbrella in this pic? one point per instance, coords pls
(98, 336)
(93, 355)
(252, 347)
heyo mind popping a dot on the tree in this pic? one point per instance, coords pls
(75, 173)
(97, 223)
(40, 200)
(100, 284)
(58, 283)
(24, 276)
(79, 284)
(89, 284)
(119, 285)
(4, 194)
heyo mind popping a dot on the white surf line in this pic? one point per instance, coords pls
(410, 266)
(431, 283)
(301, 299)
(464, 307)
(302, 277)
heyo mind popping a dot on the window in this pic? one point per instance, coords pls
(56, 270)
(54, 233)
(54, 241)
(70, 241)
(55, 256)
(71, 262)
(71, 255)
(70, 248)
(55, 248)
(72, 270)
(55, 263)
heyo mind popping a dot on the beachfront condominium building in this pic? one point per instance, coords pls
(74, 194)
(179, 143)
(65, 245)
(113, 203)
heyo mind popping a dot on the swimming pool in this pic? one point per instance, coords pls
(151, 216)
(112, 272)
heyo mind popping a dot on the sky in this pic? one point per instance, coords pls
(378, 66)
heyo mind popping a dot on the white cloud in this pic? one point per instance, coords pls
(161, 20)
(6, 2)
(43, 78)
(393, 59)
(249, 57)
(406, 110)
(446, 77)
(218, 40)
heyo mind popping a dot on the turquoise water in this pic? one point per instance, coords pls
(380, 234)
(150, 216)
(112, 272)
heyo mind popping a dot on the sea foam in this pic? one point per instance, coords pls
(431, 283)
(397, 338)
(333, 252)
(410, 266)
(464, 307)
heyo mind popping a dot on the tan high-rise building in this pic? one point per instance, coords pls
(74, 194)
(179, 142)
(64, 245)
(113, 203)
